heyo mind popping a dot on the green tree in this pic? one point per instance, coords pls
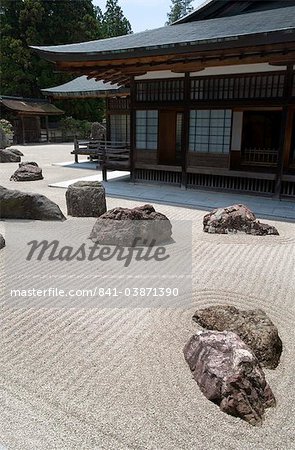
(51, 22)
(114, 22)
(178, 9)
(44, 22)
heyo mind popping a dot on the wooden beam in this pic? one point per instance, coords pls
(132, 128)
(185, 130)
(195, 65)
(121, 79)
(285, 140)
(281, 52)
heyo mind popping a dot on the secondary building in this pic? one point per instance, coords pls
(29, 117)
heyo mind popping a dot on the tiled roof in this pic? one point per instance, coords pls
(30, 107)
(211, 31)
(81, 86)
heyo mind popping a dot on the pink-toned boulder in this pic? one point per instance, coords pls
(229, 374)
(253, 326)
(234, 219)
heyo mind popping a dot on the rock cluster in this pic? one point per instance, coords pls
(233, 219)
(27, 171)
(15, 151)
(23, 205)
(229, 374)
(142, 225)
(9, 155)
(254, 327)
(86, 199)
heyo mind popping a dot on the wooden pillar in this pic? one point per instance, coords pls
(23, 129)
(108, 120)
(286, 126)
(186, 119)
(132, 128)
(76, 148)
(47, 128)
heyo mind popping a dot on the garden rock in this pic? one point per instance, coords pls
(234, 219)
(86, 199)
(229, 374)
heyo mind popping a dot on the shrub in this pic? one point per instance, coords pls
(6, 133)
(78, 128)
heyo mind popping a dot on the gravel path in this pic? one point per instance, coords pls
(115, 378)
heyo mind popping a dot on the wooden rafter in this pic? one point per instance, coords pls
(280, 54)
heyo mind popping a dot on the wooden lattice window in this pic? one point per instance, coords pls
(163, 90)
(232, 87)
(118, 103)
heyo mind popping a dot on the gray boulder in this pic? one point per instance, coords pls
(229, 374)
(15, 151)
(234, 219)
(98, 131)
(27, 172)
(2, 241)
(24, 205)
(25, 163)
(128, 227)
(86, 199)
(7, 156)
(254, 327)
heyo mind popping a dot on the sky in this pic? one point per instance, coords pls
(145, 14)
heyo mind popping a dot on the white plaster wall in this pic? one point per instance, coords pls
(224, 70)
(159, 74)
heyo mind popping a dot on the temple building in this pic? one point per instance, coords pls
(212, 96)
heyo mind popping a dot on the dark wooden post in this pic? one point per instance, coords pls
(76, 148)
(108, 120)
(47, 128)
(104, 162)
(23, 129)
(132, 128)
(186, 118)
(285, 142)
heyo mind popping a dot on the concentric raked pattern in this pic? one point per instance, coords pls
(115, 378)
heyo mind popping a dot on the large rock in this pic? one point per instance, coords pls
(15, 151)
(98, 131)
(7, 156)
(229, 374)
(127, 227)
(86, 199)
(2, 241)
(24, 205)
(30, 163)
(233, 219)
(28, 171)
(254, 327)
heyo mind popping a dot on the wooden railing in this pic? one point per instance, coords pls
(254, 156)
(108, 154)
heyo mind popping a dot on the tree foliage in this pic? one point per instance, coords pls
(51, 22)
(178, 9)
(113, 22)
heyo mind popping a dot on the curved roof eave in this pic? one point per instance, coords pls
(203, 35)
